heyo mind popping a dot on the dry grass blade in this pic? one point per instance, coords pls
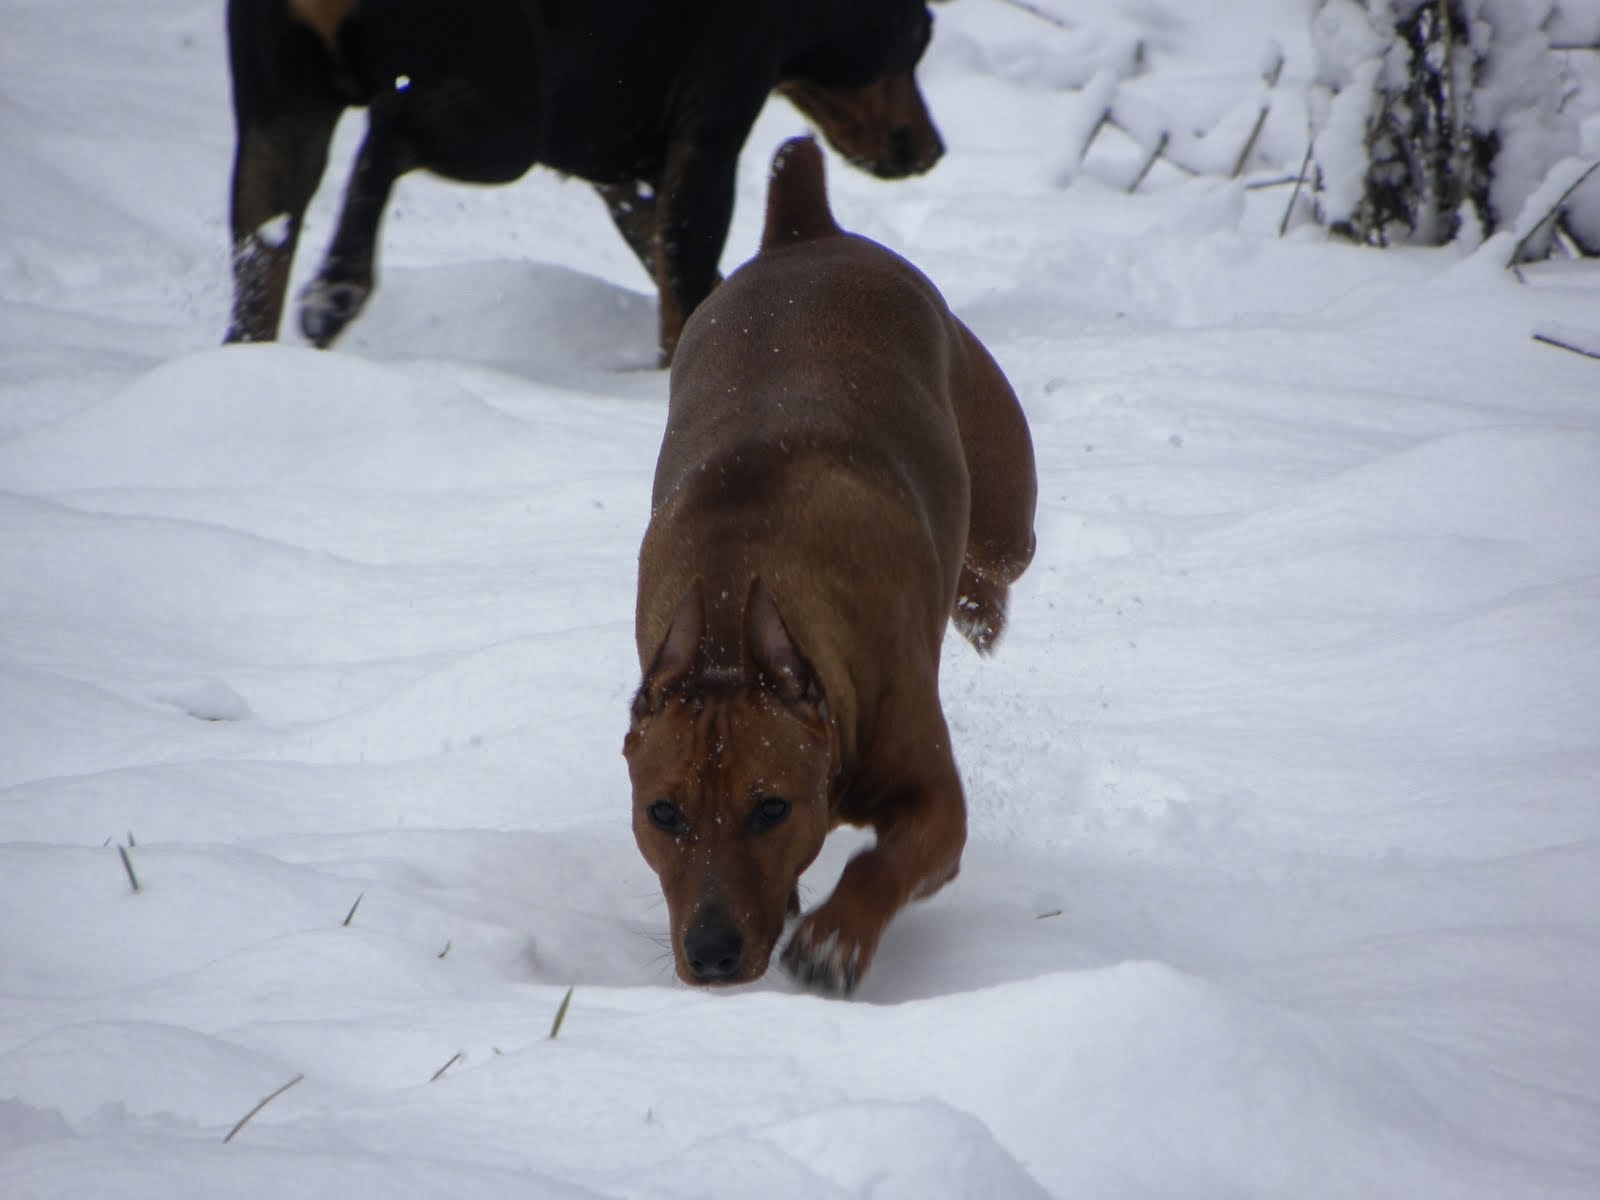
(454, 1059)
(1560, 343)
(260, 1104)
(561, 1014)
(127, 865)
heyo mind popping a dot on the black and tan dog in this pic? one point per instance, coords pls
(650, 100)
(844, 470)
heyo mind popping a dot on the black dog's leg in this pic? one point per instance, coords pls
(633, 210)
(285, 107)
(696, 207)
(332, 300)
(476, 135)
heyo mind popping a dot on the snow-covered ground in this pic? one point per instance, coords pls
(1284, 877)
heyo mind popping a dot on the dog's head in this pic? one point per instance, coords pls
(732, 767)
(857, 82)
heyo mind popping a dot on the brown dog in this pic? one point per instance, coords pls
(844, 469)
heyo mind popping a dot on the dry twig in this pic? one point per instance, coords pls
(561, 1014)
(262, 1103)
(127, 865)
(1299, 182)
(457, 1057)
(1550, 339)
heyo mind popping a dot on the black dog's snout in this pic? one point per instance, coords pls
(713, 946)
(903, 149)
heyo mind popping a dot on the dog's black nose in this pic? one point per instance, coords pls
(713, 946)
(903, 150)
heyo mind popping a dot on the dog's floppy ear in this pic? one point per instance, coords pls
(778, 661)
(680, 650)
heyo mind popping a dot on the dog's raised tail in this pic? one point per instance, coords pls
(797, 196)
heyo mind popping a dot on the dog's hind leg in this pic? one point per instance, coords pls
(340, 290)
(693, 213)
(286, 103)
(999, 453)
(632, 206)
(452, 128)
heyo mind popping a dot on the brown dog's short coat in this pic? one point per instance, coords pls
(844, 470)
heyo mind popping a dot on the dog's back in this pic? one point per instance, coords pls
(814, 388)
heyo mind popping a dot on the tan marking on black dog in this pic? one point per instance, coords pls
(325, 16)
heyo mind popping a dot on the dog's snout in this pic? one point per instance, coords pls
(713, 946)
(903, 149)
(908, 150)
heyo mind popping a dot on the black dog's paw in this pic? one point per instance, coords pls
(327, 306)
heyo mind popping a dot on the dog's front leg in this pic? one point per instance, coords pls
(921, 833)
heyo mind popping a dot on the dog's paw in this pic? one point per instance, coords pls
(827, 966)
(826, 958)
(327, 306)
(980, 612)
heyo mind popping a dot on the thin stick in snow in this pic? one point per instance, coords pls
(262, 1103)
(1250, 143)
(351, 915)
(127, 865)
(1305, 165)
(1269, 76)
(457, 1057)
(1161, 146)
(561, 1015)
(1564, 341)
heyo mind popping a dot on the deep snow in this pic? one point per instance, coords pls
(1284, 876)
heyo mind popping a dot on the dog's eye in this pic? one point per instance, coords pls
(667, 817)
(769, 812)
